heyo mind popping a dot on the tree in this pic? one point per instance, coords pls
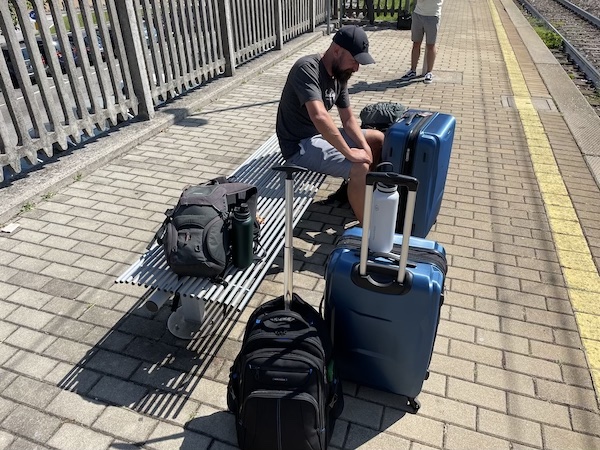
(13, 12)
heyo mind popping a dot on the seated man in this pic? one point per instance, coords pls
(308, 137)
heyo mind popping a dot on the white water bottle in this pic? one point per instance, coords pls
(384, 211)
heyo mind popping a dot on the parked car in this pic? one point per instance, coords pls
(62, 59)
(12, 69)
(88, 46)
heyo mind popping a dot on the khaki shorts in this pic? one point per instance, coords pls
(424, 26)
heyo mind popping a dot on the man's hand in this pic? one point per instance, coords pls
(360, 155)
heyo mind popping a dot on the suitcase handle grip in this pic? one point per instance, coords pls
(289, 170)
(400, 180)
(393, 178)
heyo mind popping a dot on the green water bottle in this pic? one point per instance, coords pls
(243, 233)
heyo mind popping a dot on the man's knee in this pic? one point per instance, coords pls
(358, 172)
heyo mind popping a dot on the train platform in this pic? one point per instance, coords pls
(516, 363)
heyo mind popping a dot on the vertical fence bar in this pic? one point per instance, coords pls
(137, 65)
(227, 36)
(312, 7)
(278, 25)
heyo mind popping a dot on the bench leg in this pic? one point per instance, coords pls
(187, 320)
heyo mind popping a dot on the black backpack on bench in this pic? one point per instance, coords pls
(196, 233)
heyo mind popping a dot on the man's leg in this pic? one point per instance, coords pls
(375, 140)
(356, 188)
(415, 55)
(431, 52)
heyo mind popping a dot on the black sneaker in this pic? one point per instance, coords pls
(339, 197)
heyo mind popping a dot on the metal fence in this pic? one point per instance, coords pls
(73, 69)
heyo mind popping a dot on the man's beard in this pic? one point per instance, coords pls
(341, 75)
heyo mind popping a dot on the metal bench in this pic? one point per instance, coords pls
(151, 270)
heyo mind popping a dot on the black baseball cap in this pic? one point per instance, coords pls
(354, 39)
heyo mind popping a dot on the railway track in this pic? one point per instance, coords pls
(578, 23)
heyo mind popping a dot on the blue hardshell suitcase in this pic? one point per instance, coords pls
(383, 316)
(419, 145)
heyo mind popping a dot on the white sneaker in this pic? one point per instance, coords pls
(409, 75)
(428, 78)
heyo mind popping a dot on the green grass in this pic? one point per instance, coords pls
(27, 207)
(549, 37)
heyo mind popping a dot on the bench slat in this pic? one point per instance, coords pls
(152, 271)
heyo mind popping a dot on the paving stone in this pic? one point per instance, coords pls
(505, 379)
(558, 353)
(31, 424)
(6, 407)
(486, 321)
(74, 407)
(452, 366)
(167, 437)
(533, 366)
(74, 437)
(62, 288)
(27, 297)
(72, 379)
(31, 392)
(6, 378)
(210, 392)
(413, 427)
(65, 307)
(117, 391)
(6, 440)
(29, 340)
(30, 265)
(31, 364)
(502, 341)
(28, 317)
(538, 410)
(513, 428)
(475, 394)
(126, 424)
(476, 352)
(367, 438)
(460, 439)
(6, 352)
(525, 329)
(567, 395)
(67, 328)
(559, 439)
(112, 363)
(437, 407)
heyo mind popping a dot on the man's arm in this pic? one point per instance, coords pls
(351, 127)
(327, 128)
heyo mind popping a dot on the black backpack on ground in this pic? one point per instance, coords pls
(196, 233)
(283, 385)
(381, 115)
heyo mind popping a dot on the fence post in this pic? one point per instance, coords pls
(278, 25)
(135, 59)
(370, 12)
(312, 11)
(227, 36)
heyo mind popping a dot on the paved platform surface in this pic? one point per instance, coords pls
(518, 350)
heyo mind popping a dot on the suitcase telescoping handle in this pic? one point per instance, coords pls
(288, 251)
(399, 180)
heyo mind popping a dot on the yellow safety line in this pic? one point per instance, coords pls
(574, 256)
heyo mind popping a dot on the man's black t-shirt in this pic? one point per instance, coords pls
(308, 80)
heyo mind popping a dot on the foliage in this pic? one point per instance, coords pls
(550, 38)
(13, 13)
